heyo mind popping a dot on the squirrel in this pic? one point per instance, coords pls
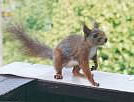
(73, 51)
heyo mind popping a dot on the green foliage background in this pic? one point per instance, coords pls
(115, 16)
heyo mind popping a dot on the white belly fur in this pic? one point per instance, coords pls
(71, 63)
(92, 52)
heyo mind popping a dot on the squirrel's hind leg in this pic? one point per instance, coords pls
(58, 64)
(76, 71)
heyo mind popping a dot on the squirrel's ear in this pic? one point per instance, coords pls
(96, 24)
(86, 31)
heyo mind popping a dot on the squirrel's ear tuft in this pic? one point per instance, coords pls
(86, 31)
(96, 24)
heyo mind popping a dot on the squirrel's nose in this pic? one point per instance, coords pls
(105, 40)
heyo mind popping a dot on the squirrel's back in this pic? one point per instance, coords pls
(70, 44)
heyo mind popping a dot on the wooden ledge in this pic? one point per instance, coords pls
(8, 83)
(113, 87)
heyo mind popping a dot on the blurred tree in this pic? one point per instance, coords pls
(116, 18)
(1, 54)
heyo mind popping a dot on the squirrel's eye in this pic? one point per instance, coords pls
(95, 35)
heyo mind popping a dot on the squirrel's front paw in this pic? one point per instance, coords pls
(58, 76)
(96, 84)
(93, 68)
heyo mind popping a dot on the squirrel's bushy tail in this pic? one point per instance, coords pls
(33, 47)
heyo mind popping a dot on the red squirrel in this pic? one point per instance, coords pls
(73, 51)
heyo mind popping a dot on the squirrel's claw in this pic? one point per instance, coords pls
(96, 84)
(58, 76)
